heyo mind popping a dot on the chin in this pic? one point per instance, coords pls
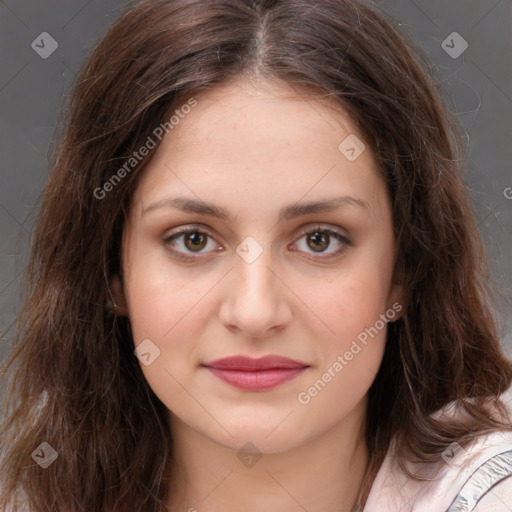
(265, 437)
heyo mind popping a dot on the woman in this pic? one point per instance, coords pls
(255, 281)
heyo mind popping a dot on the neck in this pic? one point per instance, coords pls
(322, 475)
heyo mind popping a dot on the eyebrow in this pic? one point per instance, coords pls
(292, 211)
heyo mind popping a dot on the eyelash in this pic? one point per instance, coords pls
(199, 229)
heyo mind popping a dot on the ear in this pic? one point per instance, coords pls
(121, 307)
(397, 300)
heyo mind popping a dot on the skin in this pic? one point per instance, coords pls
(253, 148)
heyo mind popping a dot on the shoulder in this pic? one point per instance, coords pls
(498, 499)
(480, 472)
(489, 487)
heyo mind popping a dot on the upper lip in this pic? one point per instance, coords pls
(245, 363)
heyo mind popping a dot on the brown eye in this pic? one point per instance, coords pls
(324, 242)
(186, 242)
(195, 240)
(318, 241)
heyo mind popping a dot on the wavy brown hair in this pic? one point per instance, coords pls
(77, 384)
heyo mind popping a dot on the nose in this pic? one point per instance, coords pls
(256, 302)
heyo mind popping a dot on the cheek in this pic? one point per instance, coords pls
(349, 301)
(349, 357)
(168, 312)
(351, 304)
(161, 298)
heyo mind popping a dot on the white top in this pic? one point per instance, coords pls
(472, 479)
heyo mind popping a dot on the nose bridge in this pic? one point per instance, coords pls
(252, 268)
(254, 303)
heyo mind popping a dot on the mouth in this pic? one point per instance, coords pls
(256, 374)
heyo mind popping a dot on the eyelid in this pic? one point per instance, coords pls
(200, 228)
(325, 229)
(188, 228)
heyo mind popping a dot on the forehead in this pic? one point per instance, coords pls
(275, 114)
(267, 141)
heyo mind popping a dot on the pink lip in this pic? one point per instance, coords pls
(256, 374)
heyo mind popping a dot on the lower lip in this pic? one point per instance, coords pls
(257, 380)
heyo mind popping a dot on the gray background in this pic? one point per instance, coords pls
(33, 91)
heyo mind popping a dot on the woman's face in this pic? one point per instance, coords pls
(251, 278)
